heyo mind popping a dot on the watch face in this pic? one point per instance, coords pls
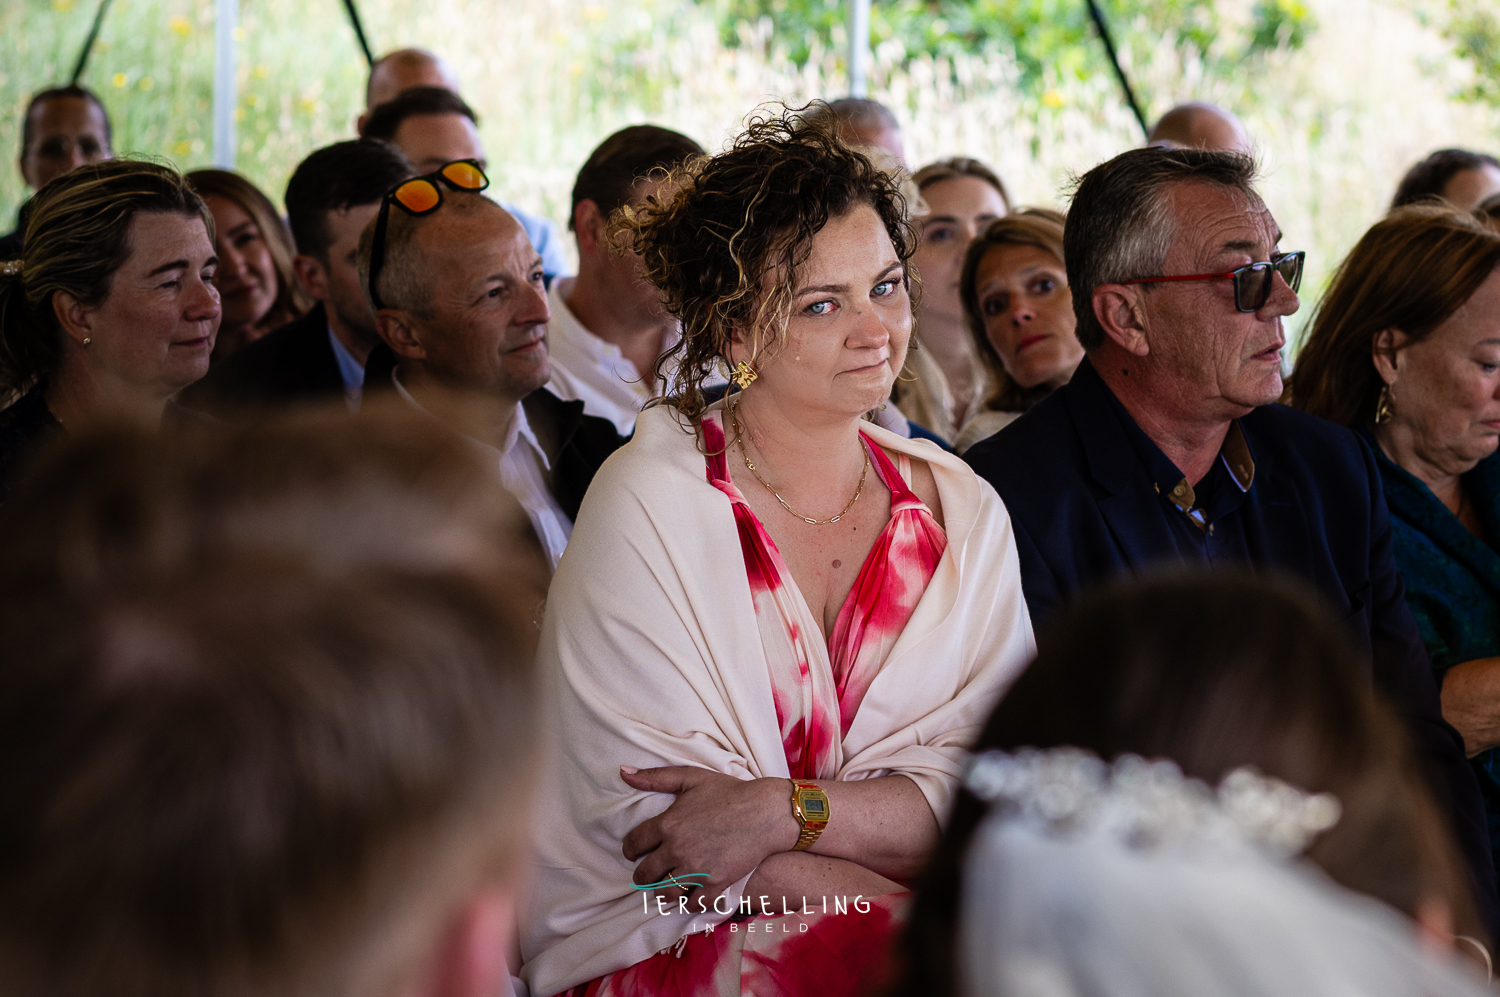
(813, 804)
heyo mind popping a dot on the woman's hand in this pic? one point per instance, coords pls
(1471, 703)
(718, 825)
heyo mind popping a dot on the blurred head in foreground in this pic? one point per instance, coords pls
(264, 713)
(1213, 673)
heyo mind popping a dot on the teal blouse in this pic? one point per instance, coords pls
(1452, 584)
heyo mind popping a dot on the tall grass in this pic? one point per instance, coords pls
(1336, 122)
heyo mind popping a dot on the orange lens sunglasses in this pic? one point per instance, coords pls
(420, 196)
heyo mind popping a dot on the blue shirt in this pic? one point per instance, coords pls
(1200, 518)
(350, 370)
(545, 239)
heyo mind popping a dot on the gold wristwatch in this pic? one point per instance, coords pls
(810, 807)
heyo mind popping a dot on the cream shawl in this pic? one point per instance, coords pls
(652, 656)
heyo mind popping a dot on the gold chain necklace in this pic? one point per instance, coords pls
(739, 439)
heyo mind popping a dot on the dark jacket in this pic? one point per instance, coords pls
(1085, 509)
(575, 444)
(28, 425)
(1452, 584)
(24, 427)
(291, 364)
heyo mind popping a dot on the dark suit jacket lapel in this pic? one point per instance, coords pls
(1275, 518)
(1132, 508)
(316, 363)
(555, 422)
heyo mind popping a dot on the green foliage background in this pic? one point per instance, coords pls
(1050, 40)
(1474, 28)
(1340, 95)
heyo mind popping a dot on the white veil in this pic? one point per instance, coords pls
(1129, 880)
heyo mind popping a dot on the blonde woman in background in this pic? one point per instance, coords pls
(1019, 313)
(256, 283)
(961, 197)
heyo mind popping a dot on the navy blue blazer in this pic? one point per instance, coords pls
(1085, 510)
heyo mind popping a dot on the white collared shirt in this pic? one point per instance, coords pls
(522, 464)
(588, 368)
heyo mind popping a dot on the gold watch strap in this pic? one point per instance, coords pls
(810, 828)
(807, 837)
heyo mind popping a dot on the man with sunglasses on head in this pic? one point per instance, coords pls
(331, 198)
(460, 304)
(1167, 446)
(64, 127)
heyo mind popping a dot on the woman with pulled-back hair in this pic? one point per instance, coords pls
(111, 309)
(777, 626)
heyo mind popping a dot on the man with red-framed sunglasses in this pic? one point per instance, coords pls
(1168, 448)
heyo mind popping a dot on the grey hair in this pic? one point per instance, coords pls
(1121, 224)
(405, 277)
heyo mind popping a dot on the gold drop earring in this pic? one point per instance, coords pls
(743, 374)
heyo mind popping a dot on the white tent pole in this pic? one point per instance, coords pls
(226, 99)
(859, 46)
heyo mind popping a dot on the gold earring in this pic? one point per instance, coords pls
(87, 342)
(743, 374)
(1383, 407)
(904, 370)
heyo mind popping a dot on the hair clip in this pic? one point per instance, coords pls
(10, 268)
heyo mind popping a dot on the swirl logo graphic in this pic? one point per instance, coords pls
(686, 880)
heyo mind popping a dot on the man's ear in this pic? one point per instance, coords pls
(1384, 350)
(469, 960)
(396, 328)
(312, 275)
(76, 321)
(589, 227)
(1118, 309)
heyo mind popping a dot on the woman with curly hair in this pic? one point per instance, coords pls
(778, 626)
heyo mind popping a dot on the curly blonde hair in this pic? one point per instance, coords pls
(724, 240)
